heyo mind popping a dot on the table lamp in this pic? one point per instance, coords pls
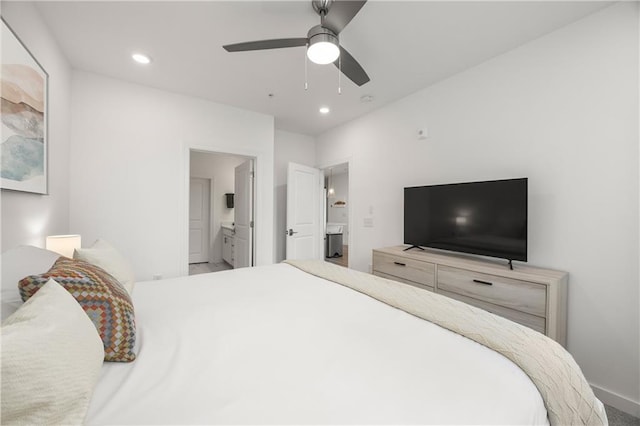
(64, 244)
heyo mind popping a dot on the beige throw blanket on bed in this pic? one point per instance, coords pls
(567, 395)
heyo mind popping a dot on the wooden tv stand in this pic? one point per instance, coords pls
(534, 297)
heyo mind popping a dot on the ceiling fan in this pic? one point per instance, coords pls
(323, 46)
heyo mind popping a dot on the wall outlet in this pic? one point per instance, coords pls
(157, 277)
(368, 222)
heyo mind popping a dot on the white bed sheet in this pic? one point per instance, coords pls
(274, 345)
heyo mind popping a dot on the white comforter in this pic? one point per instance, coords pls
(275, 345)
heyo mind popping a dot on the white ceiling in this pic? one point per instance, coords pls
(403, 46)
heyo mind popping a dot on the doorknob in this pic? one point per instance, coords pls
(290, 232)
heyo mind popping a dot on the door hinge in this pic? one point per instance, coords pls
(252, 174)
(251, 224)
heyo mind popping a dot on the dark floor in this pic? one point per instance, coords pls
(620, 418)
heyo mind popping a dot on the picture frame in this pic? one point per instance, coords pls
(23, 117)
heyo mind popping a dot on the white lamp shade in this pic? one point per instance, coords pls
(64, 244)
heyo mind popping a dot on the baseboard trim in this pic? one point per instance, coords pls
(617, 401)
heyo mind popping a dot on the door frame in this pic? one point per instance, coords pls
(334, 163)
(252, 215)
(258, 158)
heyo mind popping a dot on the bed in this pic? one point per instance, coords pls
(303, 344)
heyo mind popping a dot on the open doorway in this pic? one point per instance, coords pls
(336, 247)
(221, 187)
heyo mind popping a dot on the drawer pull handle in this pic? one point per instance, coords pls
(482, 282)
(400, 263)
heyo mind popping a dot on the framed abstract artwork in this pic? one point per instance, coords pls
(23, 89)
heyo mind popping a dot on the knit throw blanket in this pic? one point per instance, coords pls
(567, 396)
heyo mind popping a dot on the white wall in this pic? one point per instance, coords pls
(129, 167)
(294, 148)
(561, 110)
(29, 218)
(220, 168)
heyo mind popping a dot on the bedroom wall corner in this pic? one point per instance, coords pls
(561, 110)
(29, 218)
(295, 148)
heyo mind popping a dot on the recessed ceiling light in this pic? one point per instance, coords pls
(324, 110)
(141, 58)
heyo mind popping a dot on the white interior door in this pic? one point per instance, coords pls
(199, 219)
(243, 215)
(304, 231)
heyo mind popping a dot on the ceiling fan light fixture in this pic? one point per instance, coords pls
(323, 48)
(322, 41)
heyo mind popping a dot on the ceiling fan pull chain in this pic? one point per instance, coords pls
(339, 75)
(306, 84)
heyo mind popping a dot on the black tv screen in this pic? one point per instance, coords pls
(486, 218)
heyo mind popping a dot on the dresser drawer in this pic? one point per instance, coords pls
(532, 321)
(511, 293)
(402, 280)
(407, 269)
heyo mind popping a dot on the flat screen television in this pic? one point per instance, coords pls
(486, 218)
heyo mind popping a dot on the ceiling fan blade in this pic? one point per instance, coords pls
(278, 43)
(341, 13)
(351, 68)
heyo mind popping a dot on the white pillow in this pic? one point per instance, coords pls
(51, 360)
(105, 256)
(17, 263)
